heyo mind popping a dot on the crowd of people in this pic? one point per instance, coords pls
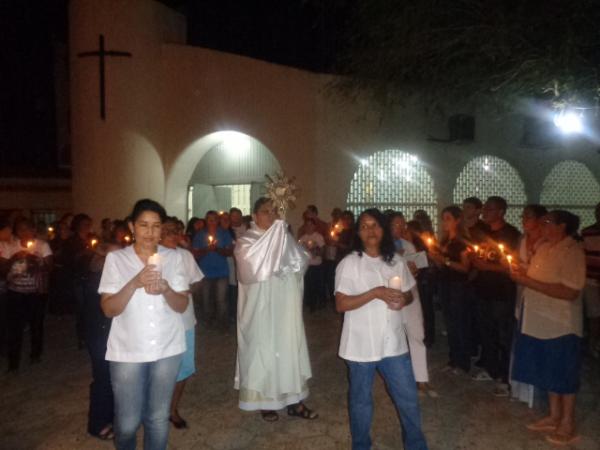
(512, 306)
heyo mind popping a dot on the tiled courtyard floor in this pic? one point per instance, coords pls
(45, 406)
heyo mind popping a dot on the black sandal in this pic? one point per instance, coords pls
(300, 410)
(269, 416)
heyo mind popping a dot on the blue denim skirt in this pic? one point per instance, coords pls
(553, 365)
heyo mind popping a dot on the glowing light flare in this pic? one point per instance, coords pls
(568, 122)
(236, 143)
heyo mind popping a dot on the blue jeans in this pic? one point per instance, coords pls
(143, 394)
(399, 379)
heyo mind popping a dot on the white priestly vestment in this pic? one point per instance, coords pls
(273, 366)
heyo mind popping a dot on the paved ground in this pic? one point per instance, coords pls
(45, 406)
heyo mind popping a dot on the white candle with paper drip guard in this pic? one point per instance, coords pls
(155, 261)
(395, 283)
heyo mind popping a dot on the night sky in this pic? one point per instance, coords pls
(300, 33)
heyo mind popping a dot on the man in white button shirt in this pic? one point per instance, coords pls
(372, 287)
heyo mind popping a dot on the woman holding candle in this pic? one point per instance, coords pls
(452, 258)
(373, 285)
(547, 351)
(146, 339)
(313, 242)
(96, 327)
(413, 313)
(211, 247)
(29, 259)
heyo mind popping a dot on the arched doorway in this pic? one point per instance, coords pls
(219, 171)
(392, 179)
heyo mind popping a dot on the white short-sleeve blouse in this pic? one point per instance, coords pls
(148, 329)
(373, 331)
(194, 275)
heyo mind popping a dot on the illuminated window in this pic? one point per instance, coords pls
(487, 175)
(571, 185)
(240, 196)
(392, 179)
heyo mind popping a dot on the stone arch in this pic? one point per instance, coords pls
(572, 186)
(489, 175)
(392, 179)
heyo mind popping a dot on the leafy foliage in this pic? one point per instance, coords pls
(457, 49)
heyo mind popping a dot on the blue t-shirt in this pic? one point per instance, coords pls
(213, 265)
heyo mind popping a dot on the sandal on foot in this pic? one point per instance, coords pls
(300, 410)
(106, 434)
(542, 425)
(562, 439)
(269, 416)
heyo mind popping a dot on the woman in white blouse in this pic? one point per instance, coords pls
(144, 289)
(373, 284)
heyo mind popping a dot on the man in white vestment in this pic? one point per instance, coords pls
(273, 367)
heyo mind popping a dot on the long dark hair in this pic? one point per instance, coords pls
(386, 246)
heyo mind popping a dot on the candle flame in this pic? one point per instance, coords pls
(29, 244)
(476, 248)
(94, 242)
(50, 229)
(429, 241)
(501, 247)
(127, 239)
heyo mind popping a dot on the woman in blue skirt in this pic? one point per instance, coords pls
(547, 352)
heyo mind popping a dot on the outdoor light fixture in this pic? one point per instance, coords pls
(236, 143)
(568, 122)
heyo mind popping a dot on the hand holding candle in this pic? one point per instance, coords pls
(155, 261)
(395, 283)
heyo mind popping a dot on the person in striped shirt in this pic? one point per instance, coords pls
(591, 245)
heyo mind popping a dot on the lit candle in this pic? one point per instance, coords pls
(509, 258)
(429, 242)
(127, 239)
(501, 248)
(29, 245)
(221, 213)
(94, 242)
(332, 233)
(310, 243)
(155, 261)
(210, 240)
(476, 248)
(395, 283)
(50, 229)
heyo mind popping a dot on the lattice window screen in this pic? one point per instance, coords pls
(488, 175)
(392, 179)
(571, 185)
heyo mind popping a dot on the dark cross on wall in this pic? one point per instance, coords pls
(102, 54)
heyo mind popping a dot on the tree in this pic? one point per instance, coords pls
(474, 49)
